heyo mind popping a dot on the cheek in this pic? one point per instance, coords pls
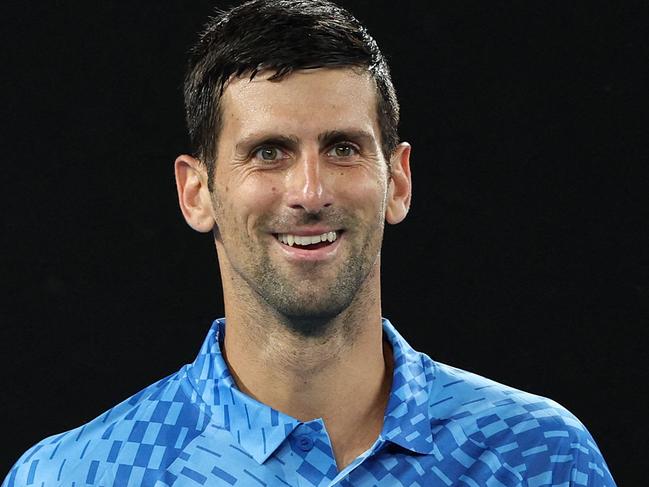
(245, 202)
(363, 190)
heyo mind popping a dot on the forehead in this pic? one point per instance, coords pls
(304, 101)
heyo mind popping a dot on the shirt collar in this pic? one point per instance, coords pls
(259, 429)
(407, 421)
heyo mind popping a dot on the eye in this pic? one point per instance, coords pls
(343, 149)
(270, 154)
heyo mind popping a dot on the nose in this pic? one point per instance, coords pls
(307, 186)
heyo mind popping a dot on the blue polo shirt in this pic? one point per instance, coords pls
(443, 427)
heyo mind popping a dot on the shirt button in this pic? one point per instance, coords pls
(304, 443)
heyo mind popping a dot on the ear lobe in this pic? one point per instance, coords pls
(193, 193)
(400, 185)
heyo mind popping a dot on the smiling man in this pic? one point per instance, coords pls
(296, 166)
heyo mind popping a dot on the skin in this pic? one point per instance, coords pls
(303, 156)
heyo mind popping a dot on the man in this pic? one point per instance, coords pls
(296, 166)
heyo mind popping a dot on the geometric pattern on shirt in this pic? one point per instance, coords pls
(443, 426)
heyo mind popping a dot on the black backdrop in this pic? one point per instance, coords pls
(524, 257)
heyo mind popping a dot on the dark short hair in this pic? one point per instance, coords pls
(280, 36)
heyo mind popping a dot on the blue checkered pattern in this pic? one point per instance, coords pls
(443, 427)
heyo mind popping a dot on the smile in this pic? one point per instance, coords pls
(306, 240)
(310, 248)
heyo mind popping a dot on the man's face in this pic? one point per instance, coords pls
(300, 161)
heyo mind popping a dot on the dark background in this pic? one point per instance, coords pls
(524, 258)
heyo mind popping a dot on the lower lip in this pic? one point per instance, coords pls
(304, 255)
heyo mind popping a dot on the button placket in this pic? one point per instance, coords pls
(304, 442)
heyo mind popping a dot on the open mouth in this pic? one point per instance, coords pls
(308, 242)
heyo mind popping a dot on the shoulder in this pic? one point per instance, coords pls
(529, 434)
(461, 394)
(82, 454)
(477, 404)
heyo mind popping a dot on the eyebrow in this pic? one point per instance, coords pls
(327, 138)
(255, 140)
(332, 136)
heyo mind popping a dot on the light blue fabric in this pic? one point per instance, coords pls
(443, 426)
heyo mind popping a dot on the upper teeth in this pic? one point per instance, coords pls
(291, 240)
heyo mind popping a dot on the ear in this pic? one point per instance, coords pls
(400, 185)
(193, 193)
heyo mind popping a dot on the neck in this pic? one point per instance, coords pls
(315, 377)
